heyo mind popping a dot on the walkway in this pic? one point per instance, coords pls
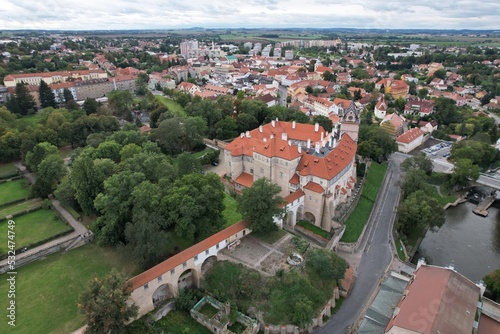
(79, 229)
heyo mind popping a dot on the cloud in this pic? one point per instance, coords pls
(165, 14)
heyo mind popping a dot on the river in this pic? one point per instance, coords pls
(470, 242)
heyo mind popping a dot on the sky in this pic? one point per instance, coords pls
(177, 14)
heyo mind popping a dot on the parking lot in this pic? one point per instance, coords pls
(441, 150)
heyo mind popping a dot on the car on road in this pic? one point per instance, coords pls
(446, 155)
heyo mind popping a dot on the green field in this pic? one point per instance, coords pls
(29, 120)
(47, 290)
(19, 207)
(314, 229)
(13, 190)
(358, 218)
(231, 214)
(33, 227)
(172, 105)
(7, 170)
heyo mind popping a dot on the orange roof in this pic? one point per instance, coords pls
(342, 102)
(51, 74)
(261, 142)
(295, 179)
(329, 166)
(245, 179)
(334, 118)
(187, 254)
(453, 297)
(294, 196)
(314, 187)
(352, 179)
(410, 136)
(394, 119)
(343, 191)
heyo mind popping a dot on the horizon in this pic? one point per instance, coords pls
(113, 15)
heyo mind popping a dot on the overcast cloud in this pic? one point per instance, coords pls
(165, 14)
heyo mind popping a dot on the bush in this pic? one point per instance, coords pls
(187, 299)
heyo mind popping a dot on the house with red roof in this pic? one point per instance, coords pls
(409, 140)
(381, 108)
(315, 168)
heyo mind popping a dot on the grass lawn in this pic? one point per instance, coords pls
(231, 214)
(47, 290)
(443, 200)
(270, 237)
(180, 322)
(29, 120)
(338, 304)
(19, 207)
(171, 105)
(13, 190)
(358, 218)
(314, 229)
(33, 227)
(401, 253)
(7, 170)
(415, 235)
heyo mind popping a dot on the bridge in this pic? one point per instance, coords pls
(155, 286)
(489, 181)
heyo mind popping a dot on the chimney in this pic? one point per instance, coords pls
(293, 125)
(247, 134)
(330, 142)
(420, 262)
(271, 136)
(284, 136)
(242, 135)
(323, 143)
(273, 123)
(299, 148)
(289, 142)
(260, 128)
(334, 142)
(316, 147)
(321, 135)
(308, 143)
(316, 127)
(264, 139)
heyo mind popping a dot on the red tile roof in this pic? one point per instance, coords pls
(187, 254)
(295, 179)
(314, 187)
(410, 136)
(245, 180)
(329, 166)
(294, 196)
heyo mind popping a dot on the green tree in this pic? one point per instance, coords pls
(326, 265)
(90, 106)
(187, 163)
(120, 102)
(104, 304)
(67, 95)
(176, 135)
(381, 145)
(422, 93)
(38, 153)
(464, 172)
(47, 98)
(226, 128)
(23, 101)
(259, 205)
(414, 180)
(324, 121)
(492, 281)
(108, 150)
(419, 162)
(329, 76)
(194, 206)
(141, 84)
(49, 172)
(417, 211)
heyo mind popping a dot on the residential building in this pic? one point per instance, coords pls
(393, 124)
(92, 88)
(419, 107)
(409, 140)
(288, 55)
(58, 91)
(53, 77)
(315, 169)
(381, 108)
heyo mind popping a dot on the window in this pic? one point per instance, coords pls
(281, 175)
(244, 232)
(262, 170)
(159, 278)
(172, 271)
(184, 265)
(251, 170)
(196, 257)
(310, 198)
(206, 252)
(217, 246)
(146, 286)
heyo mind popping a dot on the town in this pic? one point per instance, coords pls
(249, 181)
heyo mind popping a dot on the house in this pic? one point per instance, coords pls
(393, 124)
(52, 77)
(381, 108)
(437, 300)
(428, 127)
(315, 169)
(419, 107)
(409, 140)
(268, 99)
(396, 88)
(188, 87)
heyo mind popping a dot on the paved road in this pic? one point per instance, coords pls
(489, 181)
(283, 95)
(376, 253)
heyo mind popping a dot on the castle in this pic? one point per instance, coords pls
(316, 170)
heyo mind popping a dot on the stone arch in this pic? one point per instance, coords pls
(290, 218)
(300, 213)
(208, 263)
(309, 216)
(162, 293)
(188, 279)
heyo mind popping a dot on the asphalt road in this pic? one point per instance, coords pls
(489, 181)
(283, 95)
(376, 253)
